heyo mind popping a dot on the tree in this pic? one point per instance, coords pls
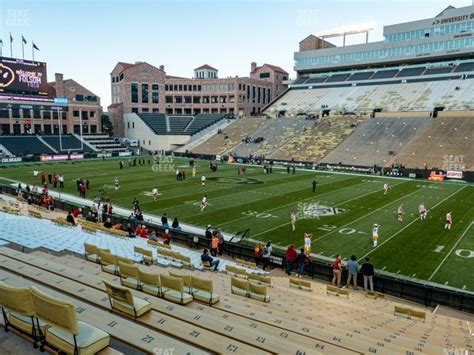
(106, 124)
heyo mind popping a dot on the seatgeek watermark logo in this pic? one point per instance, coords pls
(17, 18)
(163, 163)
(453, 162)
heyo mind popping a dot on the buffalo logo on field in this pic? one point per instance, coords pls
(6, 76)
(315, 210)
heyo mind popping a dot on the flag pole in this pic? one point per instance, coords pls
(33, 50)
(22, 47)
(11, 47)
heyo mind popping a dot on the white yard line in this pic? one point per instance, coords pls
(409, 224)
(293, 202)
(449, 253)
(365, 215)
(341, 203)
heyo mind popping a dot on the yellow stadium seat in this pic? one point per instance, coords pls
(150, 283)
(186, 280)
(129, 275)
(240, 287)
(202, 290)
(107, 262)
(259, 292)
(65, 332)
(91, 252)
(174, 290)
(18, 311)
(122, 300)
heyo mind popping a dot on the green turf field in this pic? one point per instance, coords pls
(262, 202)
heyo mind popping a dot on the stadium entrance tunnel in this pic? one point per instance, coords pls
(235, 180)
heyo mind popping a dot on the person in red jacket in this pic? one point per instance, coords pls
(291, 256)
(336, 271)
(167, 237)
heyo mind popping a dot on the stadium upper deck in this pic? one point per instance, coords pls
(447, 36)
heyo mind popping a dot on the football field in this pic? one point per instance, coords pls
(340, 214)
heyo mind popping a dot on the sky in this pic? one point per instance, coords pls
(85, 39)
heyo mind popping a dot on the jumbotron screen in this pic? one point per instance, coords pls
(22, 77)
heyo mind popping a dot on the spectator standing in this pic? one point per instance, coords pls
(367, 271)
(352, 270)
(61, 181)
(257, 253)
(164, 221)
(175, 224)
(336, 271)
(108, 223)
(291, 257)
(301, 260)
(208, 235)
(214, 244)
(267, 252)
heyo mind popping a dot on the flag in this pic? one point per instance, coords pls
(23, 39)
(35, 46)
(11, 38)
(1, 42)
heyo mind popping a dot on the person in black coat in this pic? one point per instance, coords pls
(367, 271)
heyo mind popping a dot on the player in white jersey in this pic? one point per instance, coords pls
(154, 192)
(385, 188)
(307, 243)
(293, 220)
(35, 173)
(203, 180)
(422, 211)
(194, 171)
(117, 184)
(375, 234)
(203, 203)
(449, 221)
(400, 213)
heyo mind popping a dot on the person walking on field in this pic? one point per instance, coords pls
(353, 269)
(336, 271)
(367, 271)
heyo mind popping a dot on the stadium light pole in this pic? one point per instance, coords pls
(60, 137)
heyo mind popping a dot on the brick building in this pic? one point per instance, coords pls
(21, 114)
(142, 87)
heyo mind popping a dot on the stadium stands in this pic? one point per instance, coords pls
(360, 324)
(161, 124)
(25, 145)
(444, 142)
(102, 142)
(376, 141)
(232, 135)
(66, 143)
(317, 141)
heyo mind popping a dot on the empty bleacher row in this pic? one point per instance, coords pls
(376, 141)
(103, 142)
(401, 72)
(66, 143)
(456, 94)
(162, 124)
(25, 145)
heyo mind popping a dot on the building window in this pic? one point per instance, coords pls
(84, 115)
(26, 113)
(134, 109)
(169, 99)
(75, 113)
(134, 92)
(79, 97)
(180, 88)
(133, 125)
(178, 99)
(47, 115)
(187, 99)
(156, 110)
(92, 114)
(154, 94)
(144, 110)
(63, 115)
(196, 100)
(15, 113)
(55, 115)
(121, 76)
(144, 93)
(36, 114)
(149, 142)
(264, 75)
